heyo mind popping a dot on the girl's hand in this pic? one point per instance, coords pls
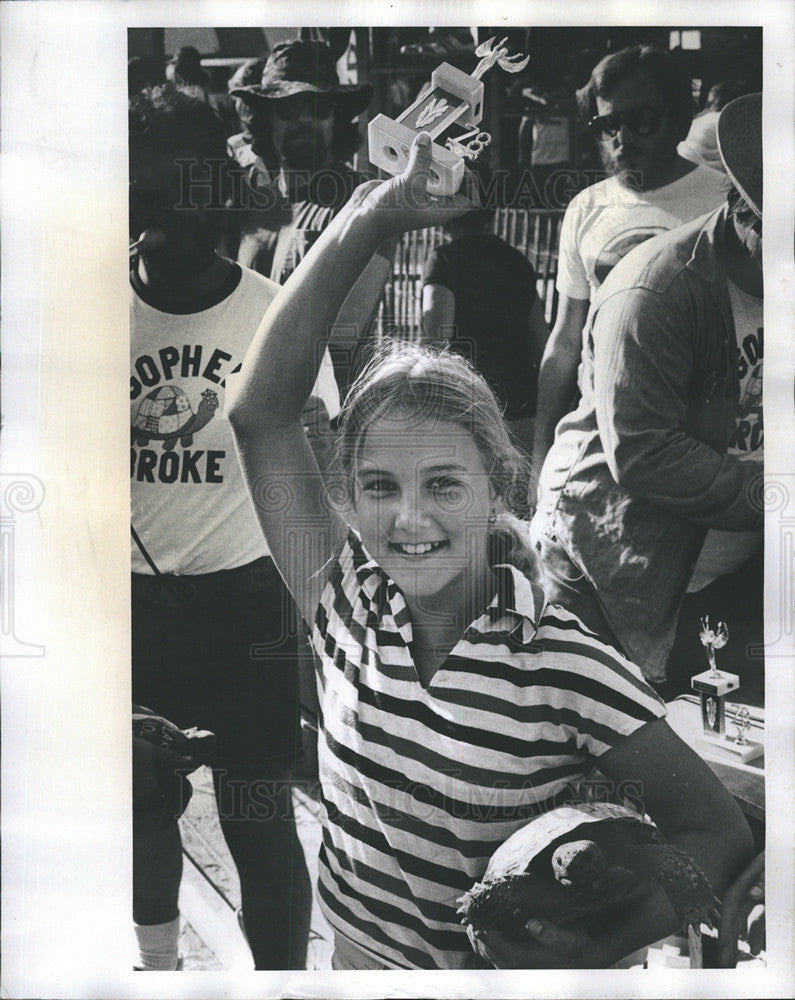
(546, 947)
(403, 203)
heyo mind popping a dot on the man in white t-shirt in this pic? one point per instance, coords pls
(639, 104)
(213, 629)
(650, 501)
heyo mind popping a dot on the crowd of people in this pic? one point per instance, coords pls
(432, 575)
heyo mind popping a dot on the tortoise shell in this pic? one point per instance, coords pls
(518, 852)
(164, 412)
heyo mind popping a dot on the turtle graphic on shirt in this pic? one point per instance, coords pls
(166, 415)
(619, 246)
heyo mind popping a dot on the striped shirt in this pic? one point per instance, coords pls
(421, 785)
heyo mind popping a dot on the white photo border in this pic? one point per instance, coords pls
(66, 860)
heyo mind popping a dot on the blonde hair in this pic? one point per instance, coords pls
(436, 384)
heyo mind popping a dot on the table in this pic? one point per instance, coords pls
(746, 782)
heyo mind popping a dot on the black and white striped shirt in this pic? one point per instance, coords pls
(421, 785)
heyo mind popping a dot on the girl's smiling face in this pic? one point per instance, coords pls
(422, 499)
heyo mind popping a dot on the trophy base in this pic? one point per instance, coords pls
(718, 684)
(727, 749)
(389, 144)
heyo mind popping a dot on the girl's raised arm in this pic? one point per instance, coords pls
(303, 532)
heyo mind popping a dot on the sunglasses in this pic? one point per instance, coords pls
(643, 121)
(288, 109)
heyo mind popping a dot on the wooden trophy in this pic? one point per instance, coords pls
(450, 113)
(713, 685)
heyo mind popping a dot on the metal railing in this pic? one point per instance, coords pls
(535, 232)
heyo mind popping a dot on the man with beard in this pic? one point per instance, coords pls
(651, 488)
(298, 136)
(213, 642)
(639, 105)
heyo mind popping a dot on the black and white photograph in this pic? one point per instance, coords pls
(449, 583)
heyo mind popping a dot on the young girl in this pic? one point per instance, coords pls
(453, 709)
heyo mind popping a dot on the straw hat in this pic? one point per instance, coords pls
(740, 145)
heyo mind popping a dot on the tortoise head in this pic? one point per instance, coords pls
(578, 863)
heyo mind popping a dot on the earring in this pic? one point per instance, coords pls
(493, 516)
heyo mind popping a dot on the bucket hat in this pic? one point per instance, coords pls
(740, 145)
(247, 74)
(305, 67)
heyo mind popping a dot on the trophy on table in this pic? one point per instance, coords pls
(713, 685)
(450, 112)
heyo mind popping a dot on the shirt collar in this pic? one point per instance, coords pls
(372, 580)
(513, 591)
(707, 257)
(514, 594)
